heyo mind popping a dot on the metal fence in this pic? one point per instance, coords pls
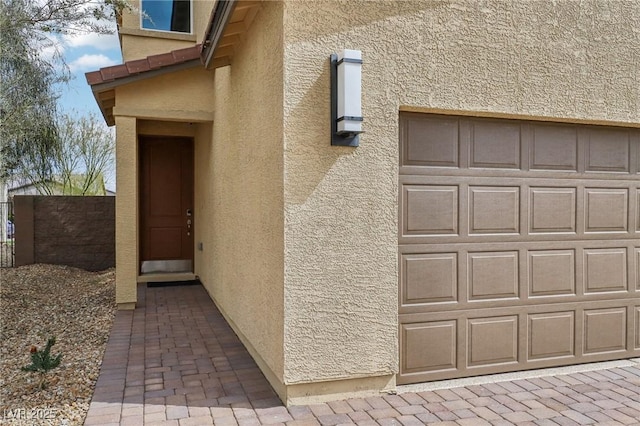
(7, 235)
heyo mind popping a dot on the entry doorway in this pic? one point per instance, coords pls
(166, 204)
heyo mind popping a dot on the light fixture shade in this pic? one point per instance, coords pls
(349, 118)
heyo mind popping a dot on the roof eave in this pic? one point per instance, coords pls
(104, 81)
(101, 87)
(220, 17)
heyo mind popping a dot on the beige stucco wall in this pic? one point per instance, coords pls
(571, 60)
(126, 212)
(139, 43)
(300, 238)
(180, 96)
(239, 194)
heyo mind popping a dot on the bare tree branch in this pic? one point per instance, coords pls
(29, 81)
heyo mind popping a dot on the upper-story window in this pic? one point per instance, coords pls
(166, 15)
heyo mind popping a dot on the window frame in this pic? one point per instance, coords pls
(191, 5)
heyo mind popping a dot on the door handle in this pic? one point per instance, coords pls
(189, 222)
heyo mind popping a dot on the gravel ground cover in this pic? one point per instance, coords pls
(38, 302)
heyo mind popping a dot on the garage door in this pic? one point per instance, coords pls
(519, 245)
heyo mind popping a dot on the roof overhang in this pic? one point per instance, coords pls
(105, 81)
(230, 20)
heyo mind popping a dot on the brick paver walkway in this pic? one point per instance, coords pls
(175, 361)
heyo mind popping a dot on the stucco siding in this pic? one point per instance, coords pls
(562, 60)
(183, 95)
(239, 193)
(126, 212)
(139, 47)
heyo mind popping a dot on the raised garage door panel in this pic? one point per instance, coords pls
(519, 245)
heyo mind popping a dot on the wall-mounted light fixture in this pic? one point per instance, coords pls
(346, 97)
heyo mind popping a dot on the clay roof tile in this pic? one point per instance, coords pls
(137, 66)
(161, 60)
(94, 77)
(187, 54)
(115, 72)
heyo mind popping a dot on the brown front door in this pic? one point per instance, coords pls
(166, 204)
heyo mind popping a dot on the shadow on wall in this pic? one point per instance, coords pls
(308, 147)
(350, 15)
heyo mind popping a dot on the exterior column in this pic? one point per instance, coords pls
(127, 249)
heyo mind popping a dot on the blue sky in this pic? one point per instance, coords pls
(84, 53)
(90, 52)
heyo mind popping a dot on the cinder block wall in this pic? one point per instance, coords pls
(65, 230)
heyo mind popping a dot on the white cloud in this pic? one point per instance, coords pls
(91, 63)
(49, 46)
(51, 51)
(97, 41)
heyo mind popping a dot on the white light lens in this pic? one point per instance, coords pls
(350, 91)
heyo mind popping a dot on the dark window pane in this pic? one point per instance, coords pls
(167, 15)
(181, 18)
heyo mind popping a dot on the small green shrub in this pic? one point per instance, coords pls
(42, 361)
